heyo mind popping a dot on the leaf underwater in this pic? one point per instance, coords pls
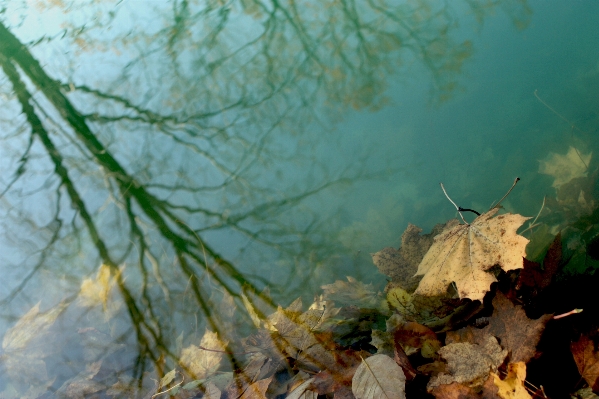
(379, 377)
(565, 168)
(463, 255)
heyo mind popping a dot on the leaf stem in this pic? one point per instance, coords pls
(454, 204)
(506, 194)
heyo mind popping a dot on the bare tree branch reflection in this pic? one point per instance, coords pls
(194, 136)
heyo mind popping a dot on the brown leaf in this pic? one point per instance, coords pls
(404, 362)
(463, 255)
(414, 335)
(340, 376)
(517, 333)
(467, 334)
(379, 377)
(469, 364)
(401, 265)
(587, 361)
(454, 391)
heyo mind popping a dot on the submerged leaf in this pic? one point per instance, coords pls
(379, 377)
(204, 360)
(565, 167)
(401, 264)
(352, 292)
(464, 254)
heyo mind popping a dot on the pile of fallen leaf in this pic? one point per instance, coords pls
(471, 310)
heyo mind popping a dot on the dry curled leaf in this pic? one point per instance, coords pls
(464, 254)
(379, 377)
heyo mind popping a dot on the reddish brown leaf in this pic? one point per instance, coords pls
(402, 360)
(337, 378)
(532, 278)
(587, 361)
(412, 334)
(517, 333)
(490, 390)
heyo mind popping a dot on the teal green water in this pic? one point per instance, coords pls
(200, 146)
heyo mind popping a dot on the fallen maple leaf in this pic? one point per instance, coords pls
(565, 167)
(518, 334)
(379, 377)
(512, 387)
(463, 255)
(587, 361)
(401, 264)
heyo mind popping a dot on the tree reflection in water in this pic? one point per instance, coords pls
(174, 139)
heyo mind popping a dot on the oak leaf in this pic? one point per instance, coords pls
(518, 334)
(587, 361)
(379, 377)
(565, 167)
(464, 254)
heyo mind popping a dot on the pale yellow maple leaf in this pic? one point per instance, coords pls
(565, 167)
(204, 360)
(463, 254)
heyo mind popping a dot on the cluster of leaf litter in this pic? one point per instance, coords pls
(442, 328)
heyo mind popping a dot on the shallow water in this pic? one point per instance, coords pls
(204, 149)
